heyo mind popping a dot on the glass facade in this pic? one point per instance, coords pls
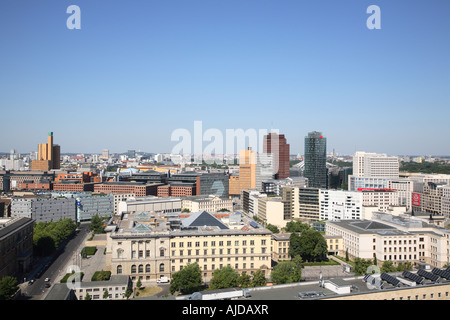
(315, 160)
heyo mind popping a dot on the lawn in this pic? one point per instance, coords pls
(147, 291)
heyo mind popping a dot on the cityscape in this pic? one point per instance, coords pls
(219, 159)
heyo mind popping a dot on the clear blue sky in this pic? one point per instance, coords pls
(139, 69)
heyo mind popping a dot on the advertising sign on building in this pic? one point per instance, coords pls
(416, 199)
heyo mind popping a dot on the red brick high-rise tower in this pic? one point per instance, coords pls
(277, 145)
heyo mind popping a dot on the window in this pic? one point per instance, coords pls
(161, 267)
(133, 268)
(119, 269)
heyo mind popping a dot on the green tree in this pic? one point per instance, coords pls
(105, 294)
(186, 280)
(406, 266)
(288, 271)
(310, 245)
(294, 245)
(296, 226)
(273, 228)
(361, 266)
(87, 297)
(226, 277)
(96, 225)
(8, 287)
(244, 280)
(387, 266)
(259, 279)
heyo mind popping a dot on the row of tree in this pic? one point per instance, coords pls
(49, 236)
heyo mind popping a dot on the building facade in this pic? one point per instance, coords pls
(315, 160)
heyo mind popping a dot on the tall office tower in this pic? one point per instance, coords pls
(105, 154)
(48, 156)
(247, 169)
(276, 144)
(316, 160)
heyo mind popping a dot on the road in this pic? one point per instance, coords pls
(37, 290)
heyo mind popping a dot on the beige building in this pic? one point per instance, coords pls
(392, 238)
(280, 247)
(149, 246)
(210, 203)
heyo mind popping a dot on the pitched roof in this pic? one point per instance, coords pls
(203, 218)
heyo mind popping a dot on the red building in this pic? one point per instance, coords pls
(277, 145)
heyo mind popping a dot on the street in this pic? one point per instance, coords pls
(37, 290)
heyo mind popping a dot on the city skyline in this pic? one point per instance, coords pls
(135, 72)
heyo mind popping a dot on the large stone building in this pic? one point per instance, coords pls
(147, 245)
(393, 238)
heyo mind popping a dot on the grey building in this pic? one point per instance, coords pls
(43, 208)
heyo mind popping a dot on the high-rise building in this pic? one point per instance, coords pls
(49, 156)
(315, 160)
(276, 144)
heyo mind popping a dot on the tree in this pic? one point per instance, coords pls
(361, 266)
(8, 287)
(310, 245)
(105, 294)
(186, 280)
(87, 297)
(244, 280)
(388, 266)
(273, 228)
(407, 266)
(296, 226)
(288, 271)
(224, 278)
(96, 225)
(294, 245)
(259, 279)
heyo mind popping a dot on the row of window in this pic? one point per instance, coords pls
(213, 243)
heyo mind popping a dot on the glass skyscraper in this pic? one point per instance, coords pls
(316, 160)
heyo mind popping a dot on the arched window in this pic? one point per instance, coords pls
(141, 268)
(147, 268)
(119, 269)
(161, 267)
(133, 268)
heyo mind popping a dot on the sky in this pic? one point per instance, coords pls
(138, 70)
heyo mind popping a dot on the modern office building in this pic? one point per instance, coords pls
(43, 208)
(10, 180)
(48, 156)
(315, 160)
(340, 205)
(205, 183)
(309, 203)
(277, 145)
(372, 170)
(368, 164)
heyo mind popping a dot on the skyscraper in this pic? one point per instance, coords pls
(276, 144)
(316, 160)
(48, 155)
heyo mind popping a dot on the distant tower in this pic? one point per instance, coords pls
(316, 160)
(49, 156)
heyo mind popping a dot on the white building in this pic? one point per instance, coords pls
(340, 204)
(367, 164)
(372, 170)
